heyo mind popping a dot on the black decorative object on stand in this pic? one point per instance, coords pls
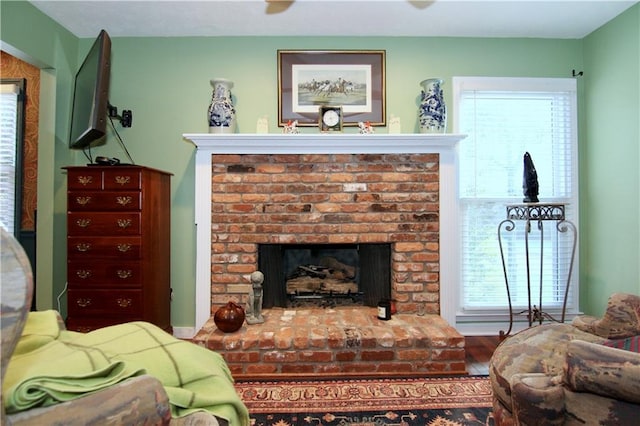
(530, 180)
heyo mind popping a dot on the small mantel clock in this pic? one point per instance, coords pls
(330, 118)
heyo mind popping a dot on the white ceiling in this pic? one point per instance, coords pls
(456, 18)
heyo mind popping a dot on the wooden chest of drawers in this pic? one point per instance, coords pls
(118, 246)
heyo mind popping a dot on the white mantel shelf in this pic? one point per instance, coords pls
(207, 144)
(321, 143)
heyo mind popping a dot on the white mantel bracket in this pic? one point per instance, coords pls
(241, 143)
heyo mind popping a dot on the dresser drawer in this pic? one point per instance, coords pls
(103, 200)
(123, 248)
(119, 179)
(97, 224)
(84, 275)
(87, 324)
(114, 302)
(85, 178)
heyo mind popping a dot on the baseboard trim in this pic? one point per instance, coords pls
(242, 377)
(487, 329)
(184, 332)
(489, 326)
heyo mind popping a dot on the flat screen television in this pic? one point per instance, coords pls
(91, 95)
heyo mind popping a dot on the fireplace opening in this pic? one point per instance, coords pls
(324, 275)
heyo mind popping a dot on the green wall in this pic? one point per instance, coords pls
(610, 196)
(165, 82)
(33, 37)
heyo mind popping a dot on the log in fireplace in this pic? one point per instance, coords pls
(324, 275)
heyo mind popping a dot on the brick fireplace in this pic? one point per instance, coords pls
(327, 199)
(329, 189)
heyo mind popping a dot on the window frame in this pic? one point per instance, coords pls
(21, 84)
(474, 320)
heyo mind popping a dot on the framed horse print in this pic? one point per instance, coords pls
(351, 79)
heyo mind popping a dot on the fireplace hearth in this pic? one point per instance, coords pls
(338, 342)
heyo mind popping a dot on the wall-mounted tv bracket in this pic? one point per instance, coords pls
(125, 119)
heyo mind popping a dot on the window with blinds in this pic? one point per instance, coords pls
(503, 118)
(9, 122)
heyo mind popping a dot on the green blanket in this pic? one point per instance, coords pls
(52, 365)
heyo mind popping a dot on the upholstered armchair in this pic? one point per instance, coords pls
(137, 400)
(587, 372)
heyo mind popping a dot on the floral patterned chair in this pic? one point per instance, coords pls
(587, 372)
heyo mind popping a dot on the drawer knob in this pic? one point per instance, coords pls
(123, 201)
(123, 180)
(124, 273)
(83, 223)
(124, 303)
(83, 302)
(83, 273)
(123, 248)
(85, 180)
(124, 223)
(83, 246)
(83, 201)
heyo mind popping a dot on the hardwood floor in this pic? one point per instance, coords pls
(478, 351)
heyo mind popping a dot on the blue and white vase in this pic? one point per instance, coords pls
(433, 111)
(222, 113)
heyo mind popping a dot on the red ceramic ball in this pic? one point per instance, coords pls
(229, 318)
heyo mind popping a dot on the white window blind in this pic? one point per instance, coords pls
(504, 118)
(8, 129)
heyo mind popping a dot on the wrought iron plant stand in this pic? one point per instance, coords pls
(536, 213)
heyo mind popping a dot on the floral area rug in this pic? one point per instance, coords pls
(441, 401)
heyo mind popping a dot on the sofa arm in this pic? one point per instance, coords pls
(140, 400)
(602, 370)
(537, 399)
(621, 318)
